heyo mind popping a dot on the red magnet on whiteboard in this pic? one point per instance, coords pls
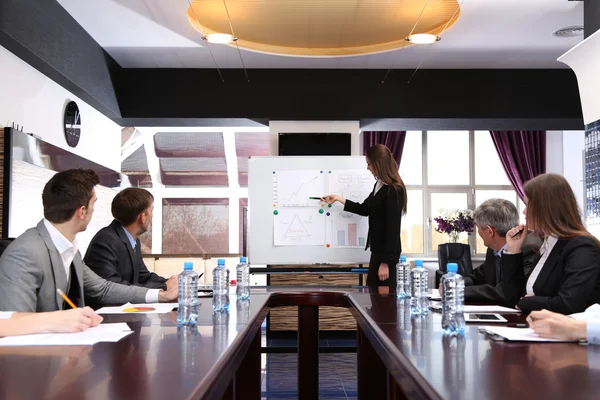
(328, 245)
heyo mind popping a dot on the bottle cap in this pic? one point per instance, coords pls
(419, 263)
(452, 267)
(188, 266)
(243, 259)
(221, 261)
(402, 258)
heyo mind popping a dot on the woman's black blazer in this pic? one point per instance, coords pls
(569, 281)
(384, 210)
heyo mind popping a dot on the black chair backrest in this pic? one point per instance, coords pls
(458, 253)
(4, 244)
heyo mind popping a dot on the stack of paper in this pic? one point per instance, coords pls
(147, 308)
(519, 334)
(91, 336)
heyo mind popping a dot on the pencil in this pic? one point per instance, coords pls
(64, 296)
(315, 198)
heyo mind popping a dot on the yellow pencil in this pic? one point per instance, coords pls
(64, 296)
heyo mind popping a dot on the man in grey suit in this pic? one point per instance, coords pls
(46, 258)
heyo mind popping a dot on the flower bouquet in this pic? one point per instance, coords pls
(454, 222)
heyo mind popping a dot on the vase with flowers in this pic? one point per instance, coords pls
(453, 222)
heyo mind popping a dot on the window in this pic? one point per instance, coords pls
(448, 170)
(195, 226)
(199, 179)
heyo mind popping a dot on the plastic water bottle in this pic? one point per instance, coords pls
(453, 301)
(402, 276)
(187, 311)
(419, 303)
(220, 286)
(243, 279)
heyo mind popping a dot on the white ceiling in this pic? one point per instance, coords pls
(488, 34)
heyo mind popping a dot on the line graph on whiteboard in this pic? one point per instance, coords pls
(293, 188)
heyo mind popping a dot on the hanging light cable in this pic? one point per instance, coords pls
(439, 37)
(207, 46)
(411, 32)
(236, 44)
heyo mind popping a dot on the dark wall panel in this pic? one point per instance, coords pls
(591, 17)
(350, 94)
(43, 33)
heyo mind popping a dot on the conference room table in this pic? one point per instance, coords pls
(399, 356)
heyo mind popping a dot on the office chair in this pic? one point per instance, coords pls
(458, 253)
(4, 244)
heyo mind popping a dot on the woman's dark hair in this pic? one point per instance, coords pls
(552, 207)
(386, 169)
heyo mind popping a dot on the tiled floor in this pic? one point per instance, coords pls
(337, 376)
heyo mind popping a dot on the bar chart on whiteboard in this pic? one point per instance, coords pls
(344, 229)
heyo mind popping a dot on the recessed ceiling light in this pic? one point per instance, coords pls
(220, 38)
(569, 31)
(422, 38)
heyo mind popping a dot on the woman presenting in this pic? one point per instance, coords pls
(385, 206)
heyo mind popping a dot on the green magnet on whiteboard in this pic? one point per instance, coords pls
(329, 205)
(329, 171)
(320, 211)
(275, 212)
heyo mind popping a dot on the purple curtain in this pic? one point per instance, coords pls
(523, 155)
(393, 140)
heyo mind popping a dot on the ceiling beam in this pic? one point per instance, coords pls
(502, 94)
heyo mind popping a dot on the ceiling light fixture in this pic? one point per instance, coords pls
(423, 38)
(569, 31)
(220, 38)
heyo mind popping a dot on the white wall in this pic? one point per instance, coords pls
(35, 102)
(353, 127)
(564, 156)
(554, 152)
(573, 146)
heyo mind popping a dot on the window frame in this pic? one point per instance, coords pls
(470, 189)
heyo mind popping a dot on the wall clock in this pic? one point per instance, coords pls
(72, 124)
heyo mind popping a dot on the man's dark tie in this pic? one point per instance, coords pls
(73, 289)
(498, 261)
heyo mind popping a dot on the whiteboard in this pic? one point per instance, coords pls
(285, 226)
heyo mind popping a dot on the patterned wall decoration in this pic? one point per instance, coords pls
(592, 177)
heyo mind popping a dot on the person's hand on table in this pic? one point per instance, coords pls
(557, 326)
(169, 295)
(67, 321)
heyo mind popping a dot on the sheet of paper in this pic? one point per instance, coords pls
(146, 308)
(100, 333)
(490, 309)
(519, 334)
(480, 309)
(434, 294)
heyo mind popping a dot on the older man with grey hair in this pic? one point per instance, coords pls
(494, 218)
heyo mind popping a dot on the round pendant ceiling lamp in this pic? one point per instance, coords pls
(321, 28)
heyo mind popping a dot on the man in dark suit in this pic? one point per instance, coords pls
(115, 252)
(494, 218)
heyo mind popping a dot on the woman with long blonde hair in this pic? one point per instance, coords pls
(385, 206)
(566, 278)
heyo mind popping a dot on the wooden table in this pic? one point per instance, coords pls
(398, 357)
